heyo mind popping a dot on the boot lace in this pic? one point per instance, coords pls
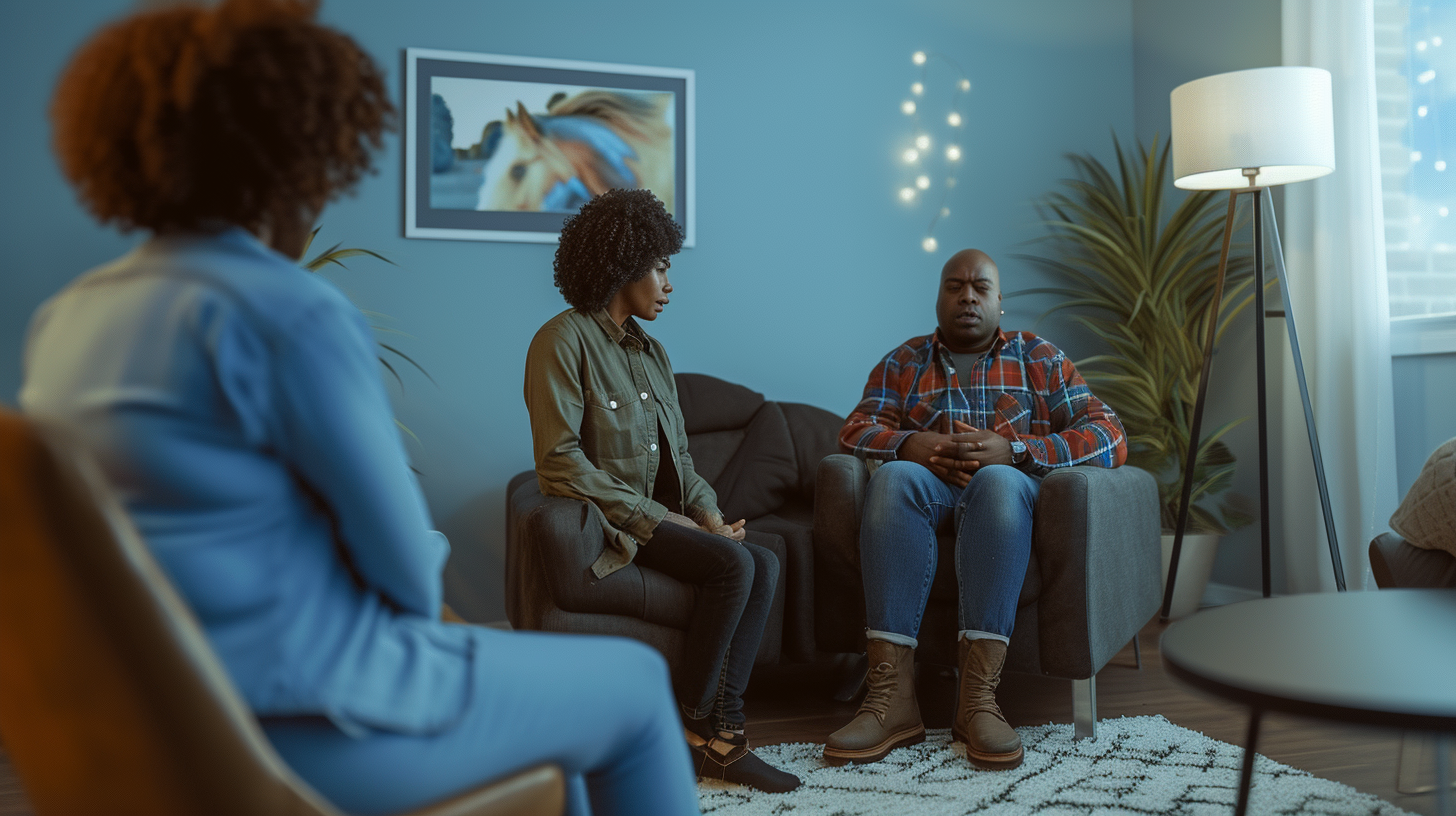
(881, 691)
(980, 695)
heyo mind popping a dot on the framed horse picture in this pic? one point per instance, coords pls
(504, 148)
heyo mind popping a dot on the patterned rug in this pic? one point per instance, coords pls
(1137, 765)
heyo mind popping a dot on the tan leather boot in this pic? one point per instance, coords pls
(991, 742)
(889, 717)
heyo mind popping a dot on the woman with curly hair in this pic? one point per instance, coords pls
(607, 428)
(235, 402)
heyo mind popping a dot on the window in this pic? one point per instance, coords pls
(1415, 68)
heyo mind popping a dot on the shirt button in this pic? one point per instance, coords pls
(612, 404)
(653, 446)
(644, 395)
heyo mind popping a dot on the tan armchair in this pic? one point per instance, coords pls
(111, 699)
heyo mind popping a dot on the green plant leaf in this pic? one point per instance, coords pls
(1143, 285)
(336, 255)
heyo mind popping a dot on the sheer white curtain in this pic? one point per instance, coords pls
(1334, 244)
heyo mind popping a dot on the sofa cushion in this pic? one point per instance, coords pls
(815, 432)
(712, 451)
(710, 404)
(763, 472)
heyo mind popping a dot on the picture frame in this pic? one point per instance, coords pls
(505, 148)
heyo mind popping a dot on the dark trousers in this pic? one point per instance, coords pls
(735, 581)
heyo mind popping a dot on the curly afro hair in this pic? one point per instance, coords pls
(612, 241)
(182, 118)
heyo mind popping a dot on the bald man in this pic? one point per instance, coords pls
(962, 424)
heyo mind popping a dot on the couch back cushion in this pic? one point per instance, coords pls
(763, 471)
(740, 443)
(710, 404)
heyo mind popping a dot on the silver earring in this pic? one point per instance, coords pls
(1003, 311)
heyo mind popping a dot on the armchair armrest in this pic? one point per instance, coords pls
(538, 791)
(839, 494)
(551, 543)
(1096, 542)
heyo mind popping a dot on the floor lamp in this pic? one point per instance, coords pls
(1244, 132)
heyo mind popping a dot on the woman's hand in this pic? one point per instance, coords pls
(734, 531)
(678, 518)
(711, 524)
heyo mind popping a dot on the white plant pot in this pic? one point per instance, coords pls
(1195, 564)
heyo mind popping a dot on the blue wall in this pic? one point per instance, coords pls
(807, 269)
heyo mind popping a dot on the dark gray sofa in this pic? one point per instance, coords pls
(761, 458)
(1093, 582)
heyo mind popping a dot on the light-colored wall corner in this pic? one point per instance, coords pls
(1425, 390)
(1174, 43)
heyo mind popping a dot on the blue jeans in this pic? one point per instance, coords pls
(599, 707)
(735, 582)
(906, 505)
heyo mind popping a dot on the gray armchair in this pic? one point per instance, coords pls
(760, 457)
(1093, 582)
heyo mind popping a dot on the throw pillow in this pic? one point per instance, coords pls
(1427, 516)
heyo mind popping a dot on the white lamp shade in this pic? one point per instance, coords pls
(1278, 120)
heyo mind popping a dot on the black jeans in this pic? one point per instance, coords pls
(735, 581)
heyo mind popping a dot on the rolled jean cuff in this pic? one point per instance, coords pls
(898, 640)
(976, 634)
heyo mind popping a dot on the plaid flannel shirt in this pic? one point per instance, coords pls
(1024, 388)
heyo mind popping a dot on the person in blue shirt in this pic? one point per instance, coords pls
(235, 403)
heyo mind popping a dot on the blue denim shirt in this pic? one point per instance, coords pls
(235, 402)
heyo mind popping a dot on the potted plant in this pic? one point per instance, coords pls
(336, 254)
(1143, 284)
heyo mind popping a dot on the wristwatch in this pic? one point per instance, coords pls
(1018, 451)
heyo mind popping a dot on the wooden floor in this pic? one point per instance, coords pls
(792, 704)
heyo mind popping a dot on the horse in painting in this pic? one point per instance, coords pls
(582, 146)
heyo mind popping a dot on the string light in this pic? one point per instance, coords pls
(1415, 155)
(1440, 165)
(920, 157)
(1422, 110)
(1436, 41)
(1426, 76)
(1444, 211)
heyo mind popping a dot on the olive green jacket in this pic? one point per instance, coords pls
(596, 392)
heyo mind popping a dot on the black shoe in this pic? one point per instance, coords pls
(725, 756)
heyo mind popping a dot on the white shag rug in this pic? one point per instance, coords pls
(1137, 765)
